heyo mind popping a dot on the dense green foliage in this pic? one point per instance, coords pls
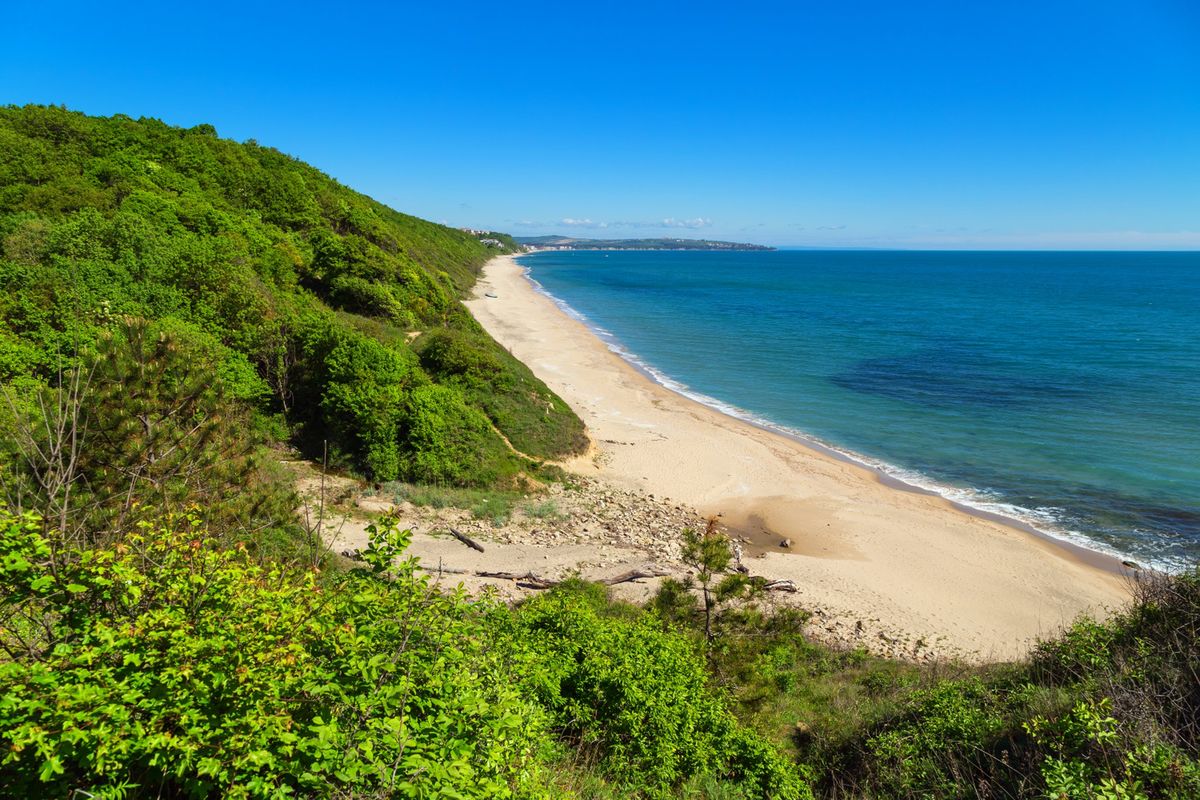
(164, 665)
(1107, 710)
(167, 660)
(619, 686)
(504, 389)
(304, 293)
(147, 425)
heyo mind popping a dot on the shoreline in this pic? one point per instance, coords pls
(863, 542)
(1088, 550)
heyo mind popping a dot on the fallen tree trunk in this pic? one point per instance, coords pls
(526, 580)
(634, 575)
(467, 540)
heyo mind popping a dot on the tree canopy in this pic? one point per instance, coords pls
(303, 292)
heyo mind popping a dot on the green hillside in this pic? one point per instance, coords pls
(303, 293)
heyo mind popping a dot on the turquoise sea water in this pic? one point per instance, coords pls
(1060, 388)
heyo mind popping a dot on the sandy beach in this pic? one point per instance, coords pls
(860, 549)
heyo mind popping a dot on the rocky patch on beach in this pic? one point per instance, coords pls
(587, 528)
(590, 512)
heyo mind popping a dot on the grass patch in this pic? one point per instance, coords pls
(490, 504)
(547, 511)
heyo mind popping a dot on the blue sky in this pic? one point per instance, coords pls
(910, 124)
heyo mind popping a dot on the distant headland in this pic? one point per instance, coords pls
(571, 243)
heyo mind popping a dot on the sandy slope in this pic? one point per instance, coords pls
(862, 550)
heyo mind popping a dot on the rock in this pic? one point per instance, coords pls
(786, 544)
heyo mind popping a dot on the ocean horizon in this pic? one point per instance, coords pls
(1060, 389)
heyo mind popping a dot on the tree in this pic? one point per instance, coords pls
(709, 554)
(143, 424)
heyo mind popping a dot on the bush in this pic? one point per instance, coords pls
(945, 732)
(364, 401)
(1106, 710)
(639, 699)
(448, 442)
(143, 427)
(535, 420)
(166, 665)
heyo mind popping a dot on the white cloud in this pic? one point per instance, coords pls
(589, 223)
(696, 222)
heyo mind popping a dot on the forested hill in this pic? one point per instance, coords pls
(336, 318)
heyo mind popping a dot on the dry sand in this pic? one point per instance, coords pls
(863, 551)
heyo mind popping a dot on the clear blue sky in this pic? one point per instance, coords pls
(942, 124)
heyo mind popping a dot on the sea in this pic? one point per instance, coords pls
(1061, 389)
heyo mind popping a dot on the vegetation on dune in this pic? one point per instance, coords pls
(504, 389)
(1106, 711)
(302, 293)
(168, 665)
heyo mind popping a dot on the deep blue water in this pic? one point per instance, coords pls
(1062, 388)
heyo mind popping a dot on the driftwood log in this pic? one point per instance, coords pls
(780, 586)
(526, 580)
(467, 540)
(634, 575)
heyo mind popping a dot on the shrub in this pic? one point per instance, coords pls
(447, 441)
(166, 666)
(364, 401)
(639, 698)
(1106, 710)
(536, 421)
(143, 427)
(936, 745)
